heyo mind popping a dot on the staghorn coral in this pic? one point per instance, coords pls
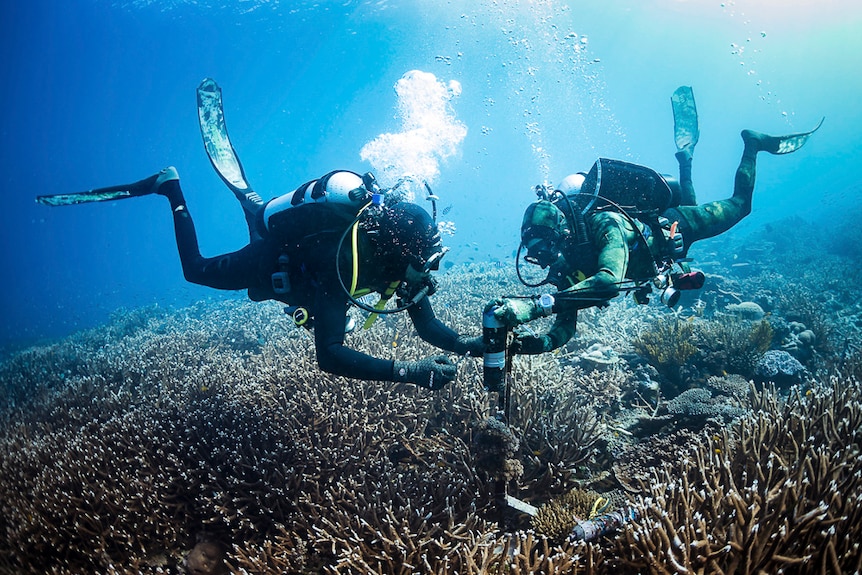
(133, 440)
(780, 491)
(633, 467)
(558, 416)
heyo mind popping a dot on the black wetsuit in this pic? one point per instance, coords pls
(315, 286)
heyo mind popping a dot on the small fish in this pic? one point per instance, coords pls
(446, 210)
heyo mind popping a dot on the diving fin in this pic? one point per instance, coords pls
(216, 141)
(141, 188)
(97, 195)
(685, 129)
(790, 143)
(221, 152)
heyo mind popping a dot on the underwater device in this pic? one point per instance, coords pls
(496, 367)
(494, 336)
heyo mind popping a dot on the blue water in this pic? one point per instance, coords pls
(100, 92)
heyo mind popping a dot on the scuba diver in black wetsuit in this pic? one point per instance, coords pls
(295, 262)
(317, 249)
(623, 227)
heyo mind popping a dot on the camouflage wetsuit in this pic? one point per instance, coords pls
(616, 250)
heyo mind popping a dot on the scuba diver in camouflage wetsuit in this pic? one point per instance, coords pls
(624, 227)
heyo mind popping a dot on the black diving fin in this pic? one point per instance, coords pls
(141, 188)
(685, 129)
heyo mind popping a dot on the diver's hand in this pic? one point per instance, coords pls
(430, 372)
(673, 238)
(525, 344)
(675, 243)
(514, 312)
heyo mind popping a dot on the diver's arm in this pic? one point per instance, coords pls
(438, 334)
(332, 356)
(560, 333)
(611, 236)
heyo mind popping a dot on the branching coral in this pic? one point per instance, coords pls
(556, 518)
(121, 446)
(557, 411)
(803, 305)
(779, 491)
(728, 344)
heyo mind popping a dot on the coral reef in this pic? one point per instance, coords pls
(668, 346)
(494, 448)
(732, 385)
(777, 492)
(781, 368)
(699, 404)
(557, 517)
(728, 344)
(746, 310)
(205, 439)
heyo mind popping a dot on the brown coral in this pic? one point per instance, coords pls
(119, 447)
(668, 346)
(779, 491)
(556, 518)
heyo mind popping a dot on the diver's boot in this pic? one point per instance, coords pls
(776, 144)
(250, 201)
(683, 158)
(153, 184)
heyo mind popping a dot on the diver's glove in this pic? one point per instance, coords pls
(676, 245)
(430, 372)
(672, 237)
(525, 344)
(475, 346)
(517, 311)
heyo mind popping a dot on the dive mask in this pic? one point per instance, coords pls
(542, 233)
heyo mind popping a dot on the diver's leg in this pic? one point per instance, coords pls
(686, 133)
(231, 271)
(686, 186)
(713, 218)
(251, 204)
